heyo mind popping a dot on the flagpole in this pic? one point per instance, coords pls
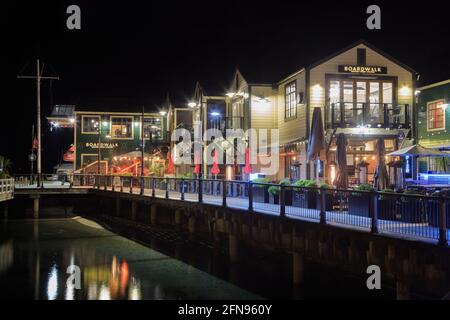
(32, 150)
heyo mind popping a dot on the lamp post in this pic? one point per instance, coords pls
(199, 105)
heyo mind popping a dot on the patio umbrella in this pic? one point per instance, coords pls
(381, 179)
(316, 136)
(170, 166)
(418, 151)
(341, 181)
(248, 167)
(215, 167)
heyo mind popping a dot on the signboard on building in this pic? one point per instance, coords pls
(362, 69)
(94, 145)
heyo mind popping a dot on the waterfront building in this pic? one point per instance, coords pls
(115, 138)
(434, 129)
(362, 92)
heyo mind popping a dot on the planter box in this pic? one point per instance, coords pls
(359, 205)
(304, 198)
(388, 209)
(412, 210)
(432, 209)
(261, 194)
(274, 199)
(328, 201)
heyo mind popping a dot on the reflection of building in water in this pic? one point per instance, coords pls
(6, 256)
(106, 282)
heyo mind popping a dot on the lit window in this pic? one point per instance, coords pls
(436, 115)
(153, 125)
(290, 100)
(90, 124)
(122, 127)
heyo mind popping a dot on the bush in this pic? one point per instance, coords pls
(365, 187)
(275, 190)
(260, 180)
(305, 184)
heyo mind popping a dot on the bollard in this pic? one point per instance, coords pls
(282, 201)
(200, 190)
(153, 188)
(323, 217)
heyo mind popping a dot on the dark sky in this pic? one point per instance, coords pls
(134, 52)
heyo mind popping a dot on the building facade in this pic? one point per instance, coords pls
(116, 138)
(361, 91)
(434, 129)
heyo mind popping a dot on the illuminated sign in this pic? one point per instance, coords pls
(94, 145)
(362, 69)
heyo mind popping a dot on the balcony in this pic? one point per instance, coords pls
(373, 115)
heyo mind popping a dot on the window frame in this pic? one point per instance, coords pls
(439, 102)
(111, 127)
(288, 107)
(152, 117)
(90, 116)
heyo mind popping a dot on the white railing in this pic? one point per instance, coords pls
(6, 189)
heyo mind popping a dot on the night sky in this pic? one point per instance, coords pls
(134, 52)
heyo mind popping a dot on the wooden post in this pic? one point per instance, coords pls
(250, 196)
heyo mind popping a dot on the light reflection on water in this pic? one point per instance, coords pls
(36, 256)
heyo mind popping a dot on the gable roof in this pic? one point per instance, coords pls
(370, 46)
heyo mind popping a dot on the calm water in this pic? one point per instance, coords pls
(34, 257)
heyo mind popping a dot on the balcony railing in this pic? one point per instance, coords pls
(373, 115)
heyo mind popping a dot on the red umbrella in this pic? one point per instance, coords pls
(248, 167)
(197, 164)
(215, 167)
(170, 166)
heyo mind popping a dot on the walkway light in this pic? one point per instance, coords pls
(71, 120)
(192, 104)
(163, 113)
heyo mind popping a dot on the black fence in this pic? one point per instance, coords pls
(407, 215)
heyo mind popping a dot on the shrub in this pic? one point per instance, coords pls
(305, 184)
(275, 190)
(365, 187)
(260, 180)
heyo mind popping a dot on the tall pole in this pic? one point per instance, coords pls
(38, 115)
(98, 146)
(142, 142)
(32, 150)
(38, 78)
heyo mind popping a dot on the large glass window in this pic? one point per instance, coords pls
(153, 127)
(290, 100)
(90, 124)
(122, 127)
(436, 115)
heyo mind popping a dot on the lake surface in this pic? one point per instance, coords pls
(35, 255)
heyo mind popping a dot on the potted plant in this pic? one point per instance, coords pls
(260, 191)
(304, 194)
(387, 205)
(412, 207)
(359, 202)
(328, 197)
(275, 191)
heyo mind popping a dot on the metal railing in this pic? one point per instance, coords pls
(6, 189)
(407, 215)
(374, 115)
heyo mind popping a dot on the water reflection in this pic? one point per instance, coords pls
(52, 284)
(35, 257)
